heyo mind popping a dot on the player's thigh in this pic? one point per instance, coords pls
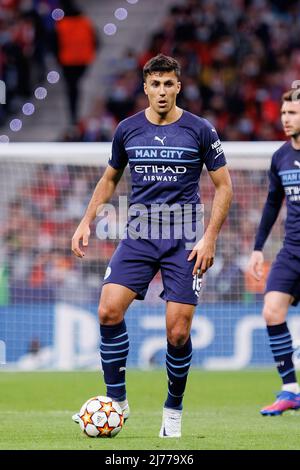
(276, 305)
(284, 276)
(180, 285)
(114, 301)
(133, 265)
(178, 322)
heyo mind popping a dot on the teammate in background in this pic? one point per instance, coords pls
(283, 283)
(166, 148)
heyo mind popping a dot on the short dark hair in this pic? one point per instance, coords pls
(161, 63)
(291, 95)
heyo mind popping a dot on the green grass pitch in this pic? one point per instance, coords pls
(221, 411)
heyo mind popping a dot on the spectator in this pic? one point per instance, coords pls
(77, 44)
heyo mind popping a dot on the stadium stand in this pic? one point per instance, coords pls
(238, 58)
(51, 122)
(25, 30)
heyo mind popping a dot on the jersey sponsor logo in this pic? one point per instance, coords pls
(297, 163)
(160, 178)
(292, 193)
(159, 169)
(290, 180)
(217, 146)
(157, 172)
(162, 141)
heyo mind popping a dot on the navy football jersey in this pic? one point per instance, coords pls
(166, 160)
(285, 179)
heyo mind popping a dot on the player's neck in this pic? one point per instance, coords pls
(162, 119)
(296, 142)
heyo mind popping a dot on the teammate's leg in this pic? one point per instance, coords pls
(178, 359)
(276, 305)
(114, 346)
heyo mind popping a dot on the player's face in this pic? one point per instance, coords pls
(290, 118)
(162, 89)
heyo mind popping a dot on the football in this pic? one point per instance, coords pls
(101, 417)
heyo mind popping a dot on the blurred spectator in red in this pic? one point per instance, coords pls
(77, 43)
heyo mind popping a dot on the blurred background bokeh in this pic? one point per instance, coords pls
(237, 57)
(72, 71)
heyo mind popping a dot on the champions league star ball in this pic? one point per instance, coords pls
(101, 417)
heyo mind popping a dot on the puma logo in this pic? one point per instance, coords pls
(160, 140)
(297, 163)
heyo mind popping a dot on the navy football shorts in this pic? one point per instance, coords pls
(285, 275)
(135, 263)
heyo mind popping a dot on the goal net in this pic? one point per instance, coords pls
(49, 298)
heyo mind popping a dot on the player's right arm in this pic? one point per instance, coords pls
(103, 191)
(102, 194)
(270, 213)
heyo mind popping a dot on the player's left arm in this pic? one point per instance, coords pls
(204, 250)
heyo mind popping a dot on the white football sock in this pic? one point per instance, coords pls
(292, 387)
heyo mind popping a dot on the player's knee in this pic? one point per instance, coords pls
(272, 313)
(109, 314)
(178, 337)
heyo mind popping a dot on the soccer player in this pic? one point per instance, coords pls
(283, 283)
(166, 148)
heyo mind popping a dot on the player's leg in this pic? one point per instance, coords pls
(114, 346)
(179, 350)
(282, 290)
(276, 305)
(181, 292)
(132, 267)
(178, 359)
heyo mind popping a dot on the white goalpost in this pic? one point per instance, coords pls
(48, 298)
(239, 154)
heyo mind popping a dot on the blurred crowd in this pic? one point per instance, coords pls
(237, 56)
(25, 31)
(29, 34)
(36, 233)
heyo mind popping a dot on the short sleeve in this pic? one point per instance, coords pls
(119, 158)
(214, 157)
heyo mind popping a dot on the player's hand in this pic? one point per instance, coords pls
(255, 265)
(82, 234)
(204, 252)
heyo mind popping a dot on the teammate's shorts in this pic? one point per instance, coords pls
(285, 275)
(135, 263)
